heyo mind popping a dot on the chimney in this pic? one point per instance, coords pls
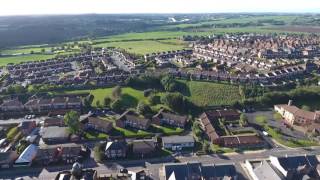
(290, 102)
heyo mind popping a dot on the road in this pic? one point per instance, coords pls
(153, 165)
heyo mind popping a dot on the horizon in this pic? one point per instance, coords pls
(62, 7)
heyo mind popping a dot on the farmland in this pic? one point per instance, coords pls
(23, 58)
(211, 94)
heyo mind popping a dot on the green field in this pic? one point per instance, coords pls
(286, 19)
(144, 47)
(130, 96)
(211, 94)
(24, 58)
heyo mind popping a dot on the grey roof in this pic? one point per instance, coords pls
(55, 132)
(177, 139)
(218, 171)
(264, 171)
(182, 170)
(196, 170)
(294, 162)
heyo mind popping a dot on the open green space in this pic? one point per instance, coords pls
(143, 47)
(210, 94)
(24, 58)
(130, 96)
(244, 19)
(260, 119)
(291, 143)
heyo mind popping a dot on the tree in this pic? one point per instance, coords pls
(196, 129)
(107, 101)
(98, 104)
(205, 146)
(153, 99)
(71, 119)
(98, 152)
(306, 108)
(116, 105)
(169, 83)
(116, 92)
(23, 144)
(243, 120)
(87, 101)
(143, 109)
(175, 101)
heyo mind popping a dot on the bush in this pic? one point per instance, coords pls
(154, 99)
(12, 133)
(116, 105)
(175, 101)
(144, 109)
(98, 152)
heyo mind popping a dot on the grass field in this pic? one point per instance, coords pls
(211, 94)
(130, 96)
(23, 58)
(287, 19)
(144, 47)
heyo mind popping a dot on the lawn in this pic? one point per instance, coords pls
(210, 94)
(291, 143)
(260, 119)
(144, 47)
(130, 96)
(165, 130)
(92, 135)
(23, 58)
(129, 133)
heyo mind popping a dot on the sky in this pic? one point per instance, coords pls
(31, 7)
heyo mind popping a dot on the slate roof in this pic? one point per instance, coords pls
(28, 154)
(55, 132)
(195, 170)
(177, 139)
(168, 115)
(116, 145)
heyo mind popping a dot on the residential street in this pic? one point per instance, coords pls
(154, 164)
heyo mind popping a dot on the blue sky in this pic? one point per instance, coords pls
(22, 7)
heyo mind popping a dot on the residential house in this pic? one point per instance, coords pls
(55, 135)
(59, 103)
(27, 156)
(32, 105)
(133, 120)
(243, 141)
(297, 167)
(45, 104)
(262, 170)
(98, 124)
(207, 126)
(169, 118)
(7, 159)
(65, 153)
(116, 149)
(26, 127)
(74, 103)
(177, 143)
(12, 105)
(53, 121)
(77, 172)
(196, 171)
(294, 115)
(144, 147)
